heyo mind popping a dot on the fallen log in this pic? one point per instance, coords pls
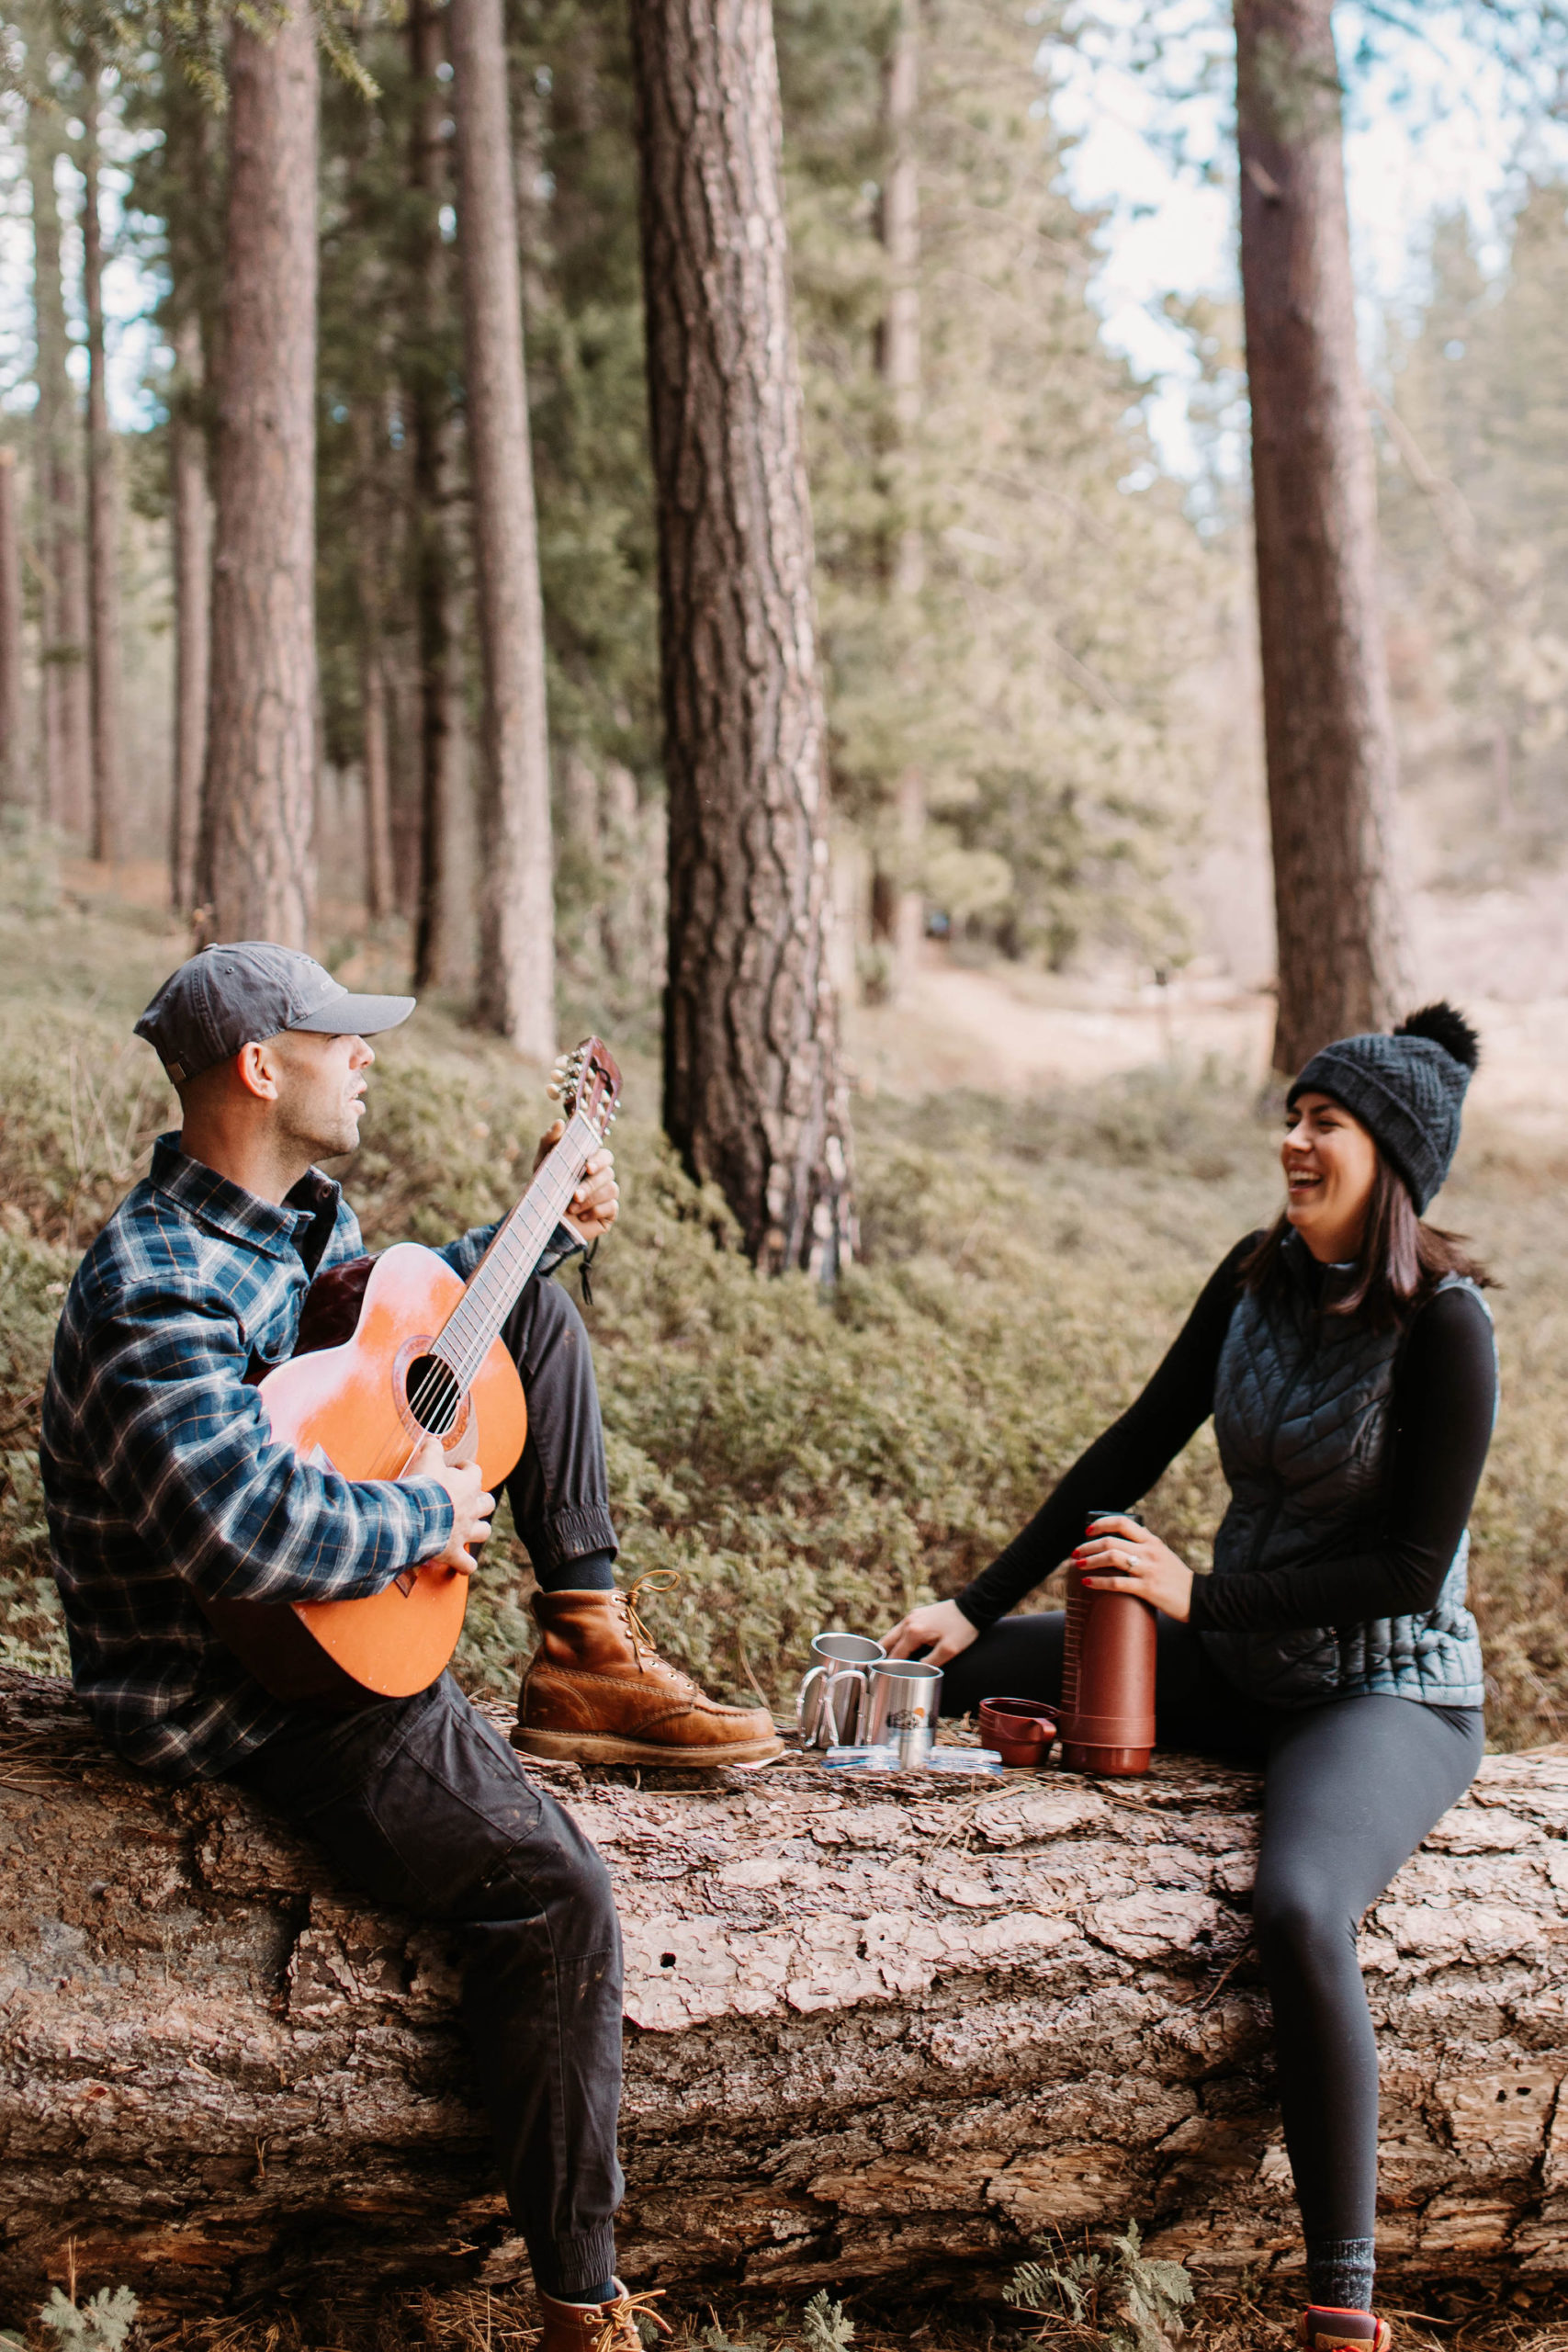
(877, 2030)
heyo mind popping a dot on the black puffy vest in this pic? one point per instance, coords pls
(1301, 1413)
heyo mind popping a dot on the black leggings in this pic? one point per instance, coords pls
(1350, 1790)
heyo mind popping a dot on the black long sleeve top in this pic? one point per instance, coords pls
(1442, 1409)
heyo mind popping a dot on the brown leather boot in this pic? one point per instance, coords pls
(598, 1693)
(596, 2328)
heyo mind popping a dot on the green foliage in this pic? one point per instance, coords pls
(823, 2326)
(803, 1462)
(102, 2323)
(1119, 2301)
(1472, 524)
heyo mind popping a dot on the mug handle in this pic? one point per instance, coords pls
(852, 1674)
(814, 1675)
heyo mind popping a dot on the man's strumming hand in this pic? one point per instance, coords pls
(471, 1507)
(594, 1206)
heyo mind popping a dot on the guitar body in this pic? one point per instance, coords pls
(350, 1404)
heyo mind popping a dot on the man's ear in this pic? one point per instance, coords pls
(255, 1072)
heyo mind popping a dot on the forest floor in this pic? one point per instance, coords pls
(1045, 1177)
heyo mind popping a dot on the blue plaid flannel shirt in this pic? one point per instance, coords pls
(160, 1476)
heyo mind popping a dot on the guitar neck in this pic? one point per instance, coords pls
(516, 1250)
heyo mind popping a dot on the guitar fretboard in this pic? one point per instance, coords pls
(497, 1281)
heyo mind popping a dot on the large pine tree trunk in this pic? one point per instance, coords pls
(1327, 723)
(67, 710)
(191, 520)
(12, 785)
(102, 512)
(259, 797)
(753, 1095)
(516, 980)
(438, 651)
(885, 2028)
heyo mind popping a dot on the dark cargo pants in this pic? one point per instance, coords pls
(421, 1804)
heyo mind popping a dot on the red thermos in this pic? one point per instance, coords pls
(1108, 1679)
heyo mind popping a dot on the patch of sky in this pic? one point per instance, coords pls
(1436, 121)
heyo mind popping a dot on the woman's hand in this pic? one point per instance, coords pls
(594, 1206)
(940, 1628)
(1124, 1557)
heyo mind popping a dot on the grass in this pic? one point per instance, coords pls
(801, 1462)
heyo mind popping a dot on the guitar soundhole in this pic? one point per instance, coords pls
(434, 1396)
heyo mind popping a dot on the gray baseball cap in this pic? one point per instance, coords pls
(234, 996)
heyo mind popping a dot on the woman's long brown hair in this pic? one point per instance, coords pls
(1398, 1266)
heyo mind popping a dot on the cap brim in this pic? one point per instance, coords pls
(358, 1016)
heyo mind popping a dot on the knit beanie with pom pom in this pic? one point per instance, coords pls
(1407, 1090)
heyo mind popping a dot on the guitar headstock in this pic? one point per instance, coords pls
(587, 1084)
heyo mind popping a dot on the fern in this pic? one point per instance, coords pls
(100, 2325)
(1121, 2304)
(824, 2327)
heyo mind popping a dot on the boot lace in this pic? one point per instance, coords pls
(654, 1580)
(618, 2329)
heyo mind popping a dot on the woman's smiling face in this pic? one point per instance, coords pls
(1331, 1166)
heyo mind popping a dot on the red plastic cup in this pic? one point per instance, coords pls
(1020, 1730)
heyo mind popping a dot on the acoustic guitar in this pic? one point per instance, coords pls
(425, 1359)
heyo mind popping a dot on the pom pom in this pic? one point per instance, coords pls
(1445, 1027)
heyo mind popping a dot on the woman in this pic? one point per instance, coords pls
(1346, 1356)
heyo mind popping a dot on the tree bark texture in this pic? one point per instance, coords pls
(191, 520)
(877, 2030)
(105, 664)
(516, 978)
(436, 634)
(67, 707)
(1327, 723)
(753, 1095)
(372, 563)
(258, 800)
(13, 782)
(898, 904)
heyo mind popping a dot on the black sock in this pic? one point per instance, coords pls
(594, 1572)
(604, 2292)
(1339, 2273)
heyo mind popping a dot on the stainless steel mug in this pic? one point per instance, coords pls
(904, 1696)
(832, 1705)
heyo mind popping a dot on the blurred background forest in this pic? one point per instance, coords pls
(1070, 670)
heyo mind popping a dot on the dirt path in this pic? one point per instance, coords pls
(1018, 1031)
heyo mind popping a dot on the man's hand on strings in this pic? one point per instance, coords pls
(471, 1506)
(594, 1206)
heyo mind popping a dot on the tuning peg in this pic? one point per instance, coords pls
(553, 1091)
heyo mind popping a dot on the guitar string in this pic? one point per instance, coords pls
(489, 1287)
(491, 1284)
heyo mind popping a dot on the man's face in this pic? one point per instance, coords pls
(320, 1089)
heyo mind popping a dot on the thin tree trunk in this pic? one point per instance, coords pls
(1327, 723)
(103, 510)
(378, 891)
(375, 764)
(67, 714)
(901, 372)
(259, 799)
(439, 651)
(753, 1094)
(516, 980)
(192, 528)
(12, 788)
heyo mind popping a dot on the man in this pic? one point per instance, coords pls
(164, 1490)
